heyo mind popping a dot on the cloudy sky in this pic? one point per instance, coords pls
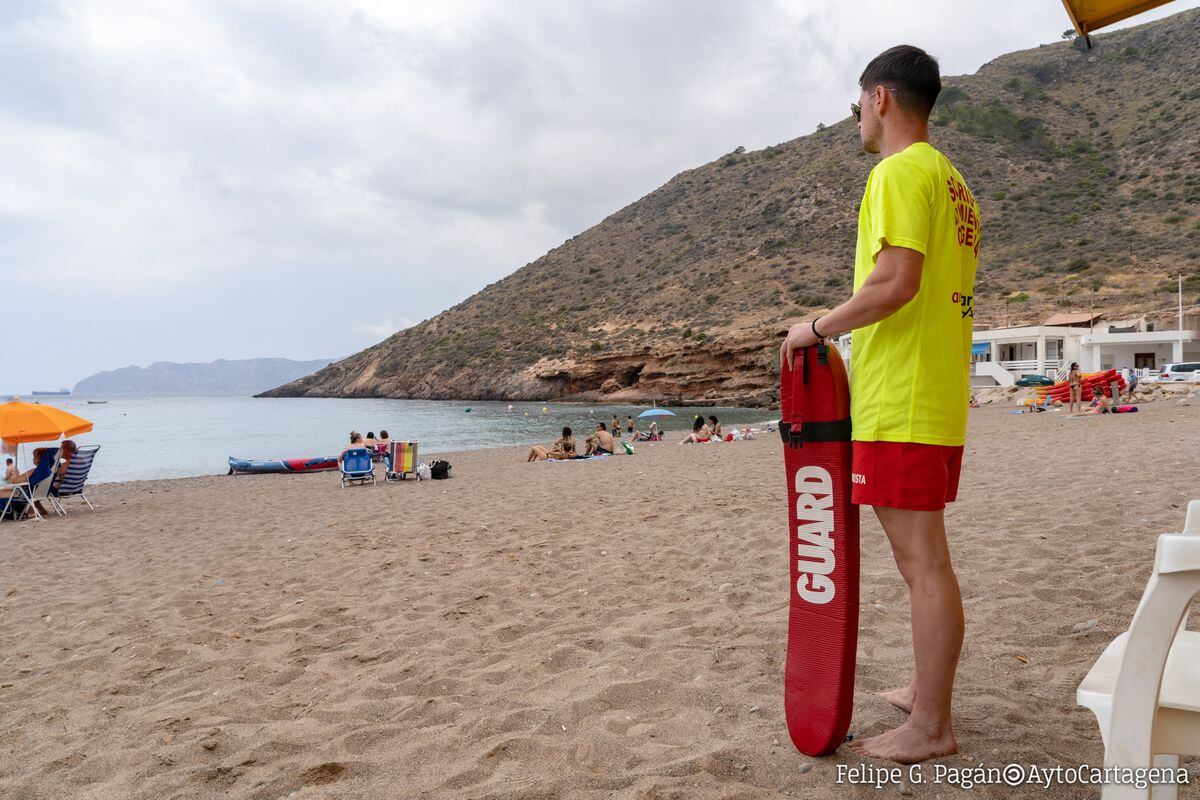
(187, 181)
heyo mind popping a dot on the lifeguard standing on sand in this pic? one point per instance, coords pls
(911, 313)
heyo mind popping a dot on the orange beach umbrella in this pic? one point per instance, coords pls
(34, 422)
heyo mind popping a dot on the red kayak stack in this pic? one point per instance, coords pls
(823, 553)
(1091, 383)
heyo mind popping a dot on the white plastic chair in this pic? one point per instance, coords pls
(1145, 687)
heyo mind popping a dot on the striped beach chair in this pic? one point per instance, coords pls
(77, 474)
(401, 460)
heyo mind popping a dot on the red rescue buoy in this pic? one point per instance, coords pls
(818, 692)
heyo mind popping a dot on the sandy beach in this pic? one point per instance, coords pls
(608, 629)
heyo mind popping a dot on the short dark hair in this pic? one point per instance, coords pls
(911, 72)
(566, 432)
(600, 425)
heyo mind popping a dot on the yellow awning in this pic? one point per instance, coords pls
(1088, 16)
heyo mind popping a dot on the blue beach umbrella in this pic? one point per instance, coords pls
(656, 412)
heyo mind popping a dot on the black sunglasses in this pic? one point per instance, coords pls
(856, 109)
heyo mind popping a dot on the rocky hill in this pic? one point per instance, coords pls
(241, 377)
(1084, 163)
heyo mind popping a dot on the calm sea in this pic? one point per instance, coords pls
(171, 437)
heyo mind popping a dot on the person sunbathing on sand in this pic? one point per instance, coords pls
(563, 447)
(648, 436)
(600, 442)
(1100, 405)
(700, 432)
(715, 428)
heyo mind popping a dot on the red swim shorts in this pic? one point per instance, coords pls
(917, 477)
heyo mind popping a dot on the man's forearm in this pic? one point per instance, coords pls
(869, 305)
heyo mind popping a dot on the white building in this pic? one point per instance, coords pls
(1001, 356)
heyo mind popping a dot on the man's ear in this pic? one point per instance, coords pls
(883, 99)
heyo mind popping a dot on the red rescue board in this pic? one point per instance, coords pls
(818, 684)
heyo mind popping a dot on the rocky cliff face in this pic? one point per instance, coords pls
(737, 371)
(1084, 165)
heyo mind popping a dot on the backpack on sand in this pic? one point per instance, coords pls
(440, 469)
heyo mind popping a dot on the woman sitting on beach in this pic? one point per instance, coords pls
(22, 477)
(383, 440)
(370, 441)
(715, 428)
(66, 452)
(1100, 405)
(563, 447)
(356, 443)
(700, 432)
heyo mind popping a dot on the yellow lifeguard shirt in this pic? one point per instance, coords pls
(910, 373)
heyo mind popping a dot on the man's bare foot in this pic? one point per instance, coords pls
(907, 744)
(902, 698)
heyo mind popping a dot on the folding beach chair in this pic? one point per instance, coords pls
(357, 467)
(36, 489)
(401, 460)
(72, 484)
(1145, 687)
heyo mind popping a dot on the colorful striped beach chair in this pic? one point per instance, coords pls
(401, 460)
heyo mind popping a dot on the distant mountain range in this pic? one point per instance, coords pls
(238, 377)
